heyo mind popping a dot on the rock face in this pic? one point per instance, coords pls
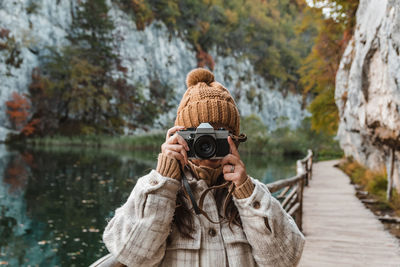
(368, 87)
(29, 26)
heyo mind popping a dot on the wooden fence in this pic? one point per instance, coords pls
(291, 196)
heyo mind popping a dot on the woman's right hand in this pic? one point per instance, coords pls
(175, 146)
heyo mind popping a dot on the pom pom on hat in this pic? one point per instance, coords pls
(199, 75)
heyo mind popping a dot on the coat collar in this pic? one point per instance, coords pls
(209, 175)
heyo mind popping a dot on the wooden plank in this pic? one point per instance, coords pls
(294, 209)
(339, 230)
(291, 203)
(289, 197)
(283, 193)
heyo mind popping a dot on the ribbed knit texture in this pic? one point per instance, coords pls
(206, 100)
(210, 175)
(168, 167)
(244, 190)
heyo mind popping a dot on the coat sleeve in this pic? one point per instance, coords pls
(273, 235)
(136, 235)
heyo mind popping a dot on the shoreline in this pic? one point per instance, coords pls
(271, 147)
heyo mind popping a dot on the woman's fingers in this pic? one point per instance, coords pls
(234, 169)
(234, 150)
(172, 131)
(177, 139)
(175, 145)
(228, 168)
(234, 157)
(182, 141)
(176, 148)
(230, 159)
(234, 177)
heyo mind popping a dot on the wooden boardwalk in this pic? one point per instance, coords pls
(339, 230)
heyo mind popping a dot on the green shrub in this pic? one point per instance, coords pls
(375, 182)
(378, 185)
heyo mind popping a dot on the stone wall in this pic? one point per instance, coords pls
(368, 87)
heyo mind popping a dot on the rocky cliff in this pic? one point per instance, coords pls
(27, 27)
(368, 87)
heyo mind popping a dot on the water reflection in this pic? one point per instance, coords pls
(54, 203)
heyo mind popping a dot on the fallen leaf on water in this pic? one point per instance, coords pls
(88, 201)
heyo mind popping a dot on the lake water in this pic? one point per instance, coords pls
(54, 203)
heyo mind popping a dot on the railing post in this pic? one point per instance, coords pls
(303, 172)
(306, 168)
(299, 216)
(299, 167)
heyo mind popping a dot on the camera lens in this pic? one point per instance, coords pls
(205, 146)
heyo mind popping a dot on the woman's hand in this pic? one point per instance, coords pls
(233, 168)
(175, 146)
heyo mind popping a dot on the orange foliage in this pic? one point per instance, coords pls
(30, 128)
(18, 110)
(204, 59)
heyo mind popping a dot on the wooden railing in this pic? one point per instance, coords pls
(291, 196)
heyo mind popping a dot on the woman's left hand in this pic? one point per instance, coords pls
(233, 168)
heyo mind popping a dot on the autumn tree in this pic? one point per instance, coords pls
(72, 96)
(318, 72)
(18, 109)
(75, 90)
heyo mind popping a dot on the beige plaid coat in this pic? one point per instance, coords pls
(137, 234)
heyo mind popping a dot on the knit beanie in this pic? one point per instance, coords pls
(206, 100)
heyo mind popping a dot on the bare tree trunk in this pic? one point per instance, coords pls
(390, 176)
(396, 177)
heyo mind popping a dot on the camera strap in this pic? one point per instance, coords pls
(241, 138)
(187, 189)
(198, 209)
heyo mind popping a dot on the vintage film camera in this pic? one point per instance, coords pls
(206, 143)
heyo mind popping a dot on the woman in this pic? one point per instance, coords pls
(239, 225)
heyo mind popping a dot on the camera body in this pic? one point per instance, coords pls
(206, 143)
